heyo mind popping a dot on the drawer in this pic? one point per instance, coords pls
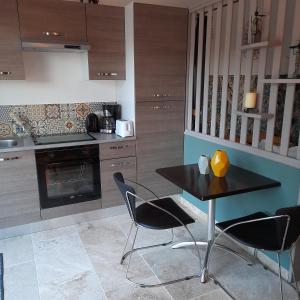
(117, 150)
(111, 196)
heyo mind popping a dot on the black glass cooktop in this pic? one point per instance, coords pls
(63, 138)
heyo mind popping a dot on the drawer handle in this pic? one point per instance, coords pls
(161, 107)
(51, 33)
(118, 147)
(5, 73)
(120, 164)
(9, 158)
(107, 74)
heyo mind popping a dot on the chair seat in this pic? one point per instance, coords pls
(260, 235)
(154, 218)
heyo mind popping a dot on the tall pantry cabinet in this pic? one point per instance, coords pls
(160, 49)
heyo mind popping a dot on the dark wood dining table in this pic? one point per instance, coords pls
(209, 188)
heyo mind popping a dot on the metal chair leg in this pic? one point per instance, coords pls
(142, 285)
(293, 273)
(129, 234)
(279, 273)
(131, 252)
(146, 247)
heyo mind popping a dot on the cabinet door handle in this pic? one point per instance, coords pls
(120, 164)
(106, 74)
(5, 73)
(51, 33)
(161, 95)
(9, 158)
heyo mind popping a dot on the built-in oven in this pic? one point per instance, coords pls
(68, 175)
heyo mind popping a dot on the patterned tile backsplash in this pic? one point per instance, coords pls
(45, 119)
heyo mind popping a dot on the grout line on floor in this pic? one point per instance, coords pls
(34, 260)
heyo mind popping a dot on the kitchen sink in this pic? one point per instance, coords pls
(8, 143)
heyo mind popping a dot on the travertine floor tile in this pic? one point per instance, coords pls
(20, 282)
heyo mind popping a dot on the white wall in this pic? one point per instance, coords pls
(126, 89)
(53, 77)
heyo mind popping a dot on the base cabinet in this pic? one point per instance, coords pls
(19, 197)
(116, 157)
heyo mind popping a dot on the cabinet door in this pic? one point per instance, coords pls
(19, 198)
(160, 46)
(106, 36)
(52, 21)
(11, 60)
(111, 196)
(160, 127)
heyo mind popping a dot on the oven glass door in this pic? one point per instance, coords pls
(69, 182)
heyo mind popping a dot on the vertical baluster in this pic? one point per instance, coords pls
(237, 69)
(290, 91)
(275, 73)
(261, 72)
(226, 68)
(199, 70)
(248, 73)
(207, 65)
(216, 69)
(191, 71)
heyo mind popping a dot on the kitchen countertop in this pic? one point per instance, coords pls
(26, 143)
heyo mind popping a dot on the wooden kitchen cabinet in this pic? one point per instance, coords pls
(116, 157)
(11, 60)
(160, 127)
(111, 196)
(52, 21)
(19, 197)
(160, 45)
(106, 36)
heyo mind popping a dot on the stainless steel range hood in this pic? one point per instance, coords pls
(53, 47)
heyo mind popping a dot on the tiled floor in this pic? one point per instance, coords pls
(82, 262)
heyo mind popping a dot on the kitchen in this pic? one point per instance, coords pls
(90, 89)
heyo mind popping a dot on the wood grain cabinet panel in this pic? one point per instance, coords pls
(160, 127)
(106, 36)
(11, 60)
(111, 196)
(19, 197)
(52, 21)
(161, 118)
(160, 47)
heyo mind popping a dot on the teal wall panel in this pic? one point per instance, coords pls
(240, 205)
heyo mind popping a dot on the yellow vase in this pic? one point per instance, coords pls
(220, 163)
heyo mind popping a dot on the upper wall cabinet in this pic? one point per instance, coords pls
(11, 61)
(52, 21)
(106, 36)
(160, 44)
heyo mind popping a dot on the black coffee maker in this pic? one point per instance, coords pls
(111, 113)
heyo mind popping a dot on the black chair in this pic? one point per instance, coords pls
(156, 214)
(276, 233)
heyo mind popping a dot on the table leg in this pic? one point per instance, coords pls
(210, 237)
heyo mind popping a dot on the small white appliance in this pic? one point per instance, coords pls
(124, 128)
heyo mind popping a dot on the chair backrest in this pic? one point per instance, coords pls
(294, 225)
(124, 188)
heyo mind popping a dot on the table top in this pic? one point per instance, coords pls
(206, 187)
